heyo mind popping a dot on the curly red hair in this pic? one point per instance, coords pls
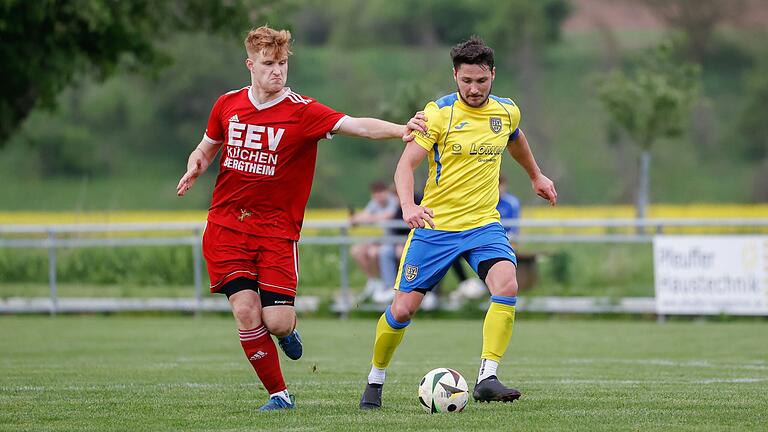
(269, 41)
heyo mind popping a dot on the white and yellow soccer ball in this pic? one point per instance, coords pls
(443, 390)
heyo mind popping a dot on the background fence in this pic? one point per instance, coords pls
(339, 233)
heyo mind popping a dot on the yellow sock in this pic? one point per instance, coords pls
(497, 327)
(389, 333)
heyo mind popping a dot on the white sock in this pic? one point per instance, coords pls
(284, 395)
(487, 369)
(377, 375)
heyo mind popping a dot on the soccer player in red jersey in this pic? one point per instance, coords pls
(268, 135)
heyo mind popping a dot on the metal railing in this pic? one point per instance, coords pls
(55, 236)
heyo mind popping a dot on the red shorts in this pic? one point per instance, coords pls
(230, 254)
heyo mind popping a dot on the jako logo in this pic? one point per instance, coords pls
(461, 125)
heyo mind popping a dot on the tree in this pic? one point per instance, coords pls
(519, 31)
(47, 44)
(752, 128)
(649, 102)
(356, 23)
(697, 19)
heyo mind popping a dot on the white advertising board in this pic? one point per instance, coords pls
(711, 274)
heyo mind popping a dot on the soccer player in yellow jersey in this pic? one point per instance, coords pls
(468, 132)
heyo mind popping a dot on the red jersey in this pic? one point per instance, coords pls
(267, 161)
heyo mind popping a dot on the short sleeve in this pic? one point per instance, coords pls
(515, 123)
(371, 207)
(319, 121)
(214, 132)
(434, 128)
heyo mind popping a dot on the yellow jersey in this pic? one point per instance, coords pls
(465, 146)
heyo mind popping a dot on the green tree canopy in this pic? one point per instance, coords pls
(506, 23)
(698, 19)
(651, 100)
(752, 125)
(46, 44)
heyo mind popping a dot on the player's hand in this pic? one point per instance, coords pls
(194, 169)
(545, 188)
(417, 216)
(417, 123)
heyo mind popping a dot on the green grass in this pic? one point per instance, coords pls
(181, 373)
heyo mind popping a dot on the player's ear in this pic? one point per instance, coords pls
(493, 73)
(249, 64)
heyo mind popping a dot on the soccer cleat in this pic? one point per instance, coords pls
(278, 403)
(371, 397)
(291, 345)
(490, 389)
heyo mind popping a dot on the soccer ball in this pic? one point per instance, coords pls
(443, 390)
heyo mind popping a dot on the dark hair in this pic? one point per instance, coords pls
(472, 51)
(378, 186)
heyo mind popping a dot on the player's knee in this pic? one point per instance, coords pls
(280, 327)
(401, 312)
(507, 287)
(246, 316)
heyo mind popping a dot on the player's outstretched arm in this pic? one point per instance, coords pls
(371, 128)
(521, 151)
(199, 160)
(415, 216)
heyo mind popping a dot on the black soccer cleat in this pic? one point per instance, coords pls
(371, 397)
(490, 389)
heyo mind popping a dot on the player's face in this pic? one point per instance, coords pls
(267, 71)
(474, 82)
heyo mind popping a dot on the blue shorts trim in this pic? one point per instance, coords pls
(428, 253)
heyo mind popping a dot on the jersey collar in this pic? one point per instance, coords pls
(273, 102)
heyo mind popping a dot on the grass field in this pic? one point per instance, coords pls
(181, 373)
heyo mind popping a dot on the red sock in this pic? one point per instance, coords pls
(261, 352)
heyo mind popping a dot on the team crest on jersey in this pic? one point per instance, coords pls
(411, 272)
(495, 124)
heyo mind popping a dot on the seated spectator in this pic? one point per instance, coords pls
(382, 206)
(389, 257)
(389, 260)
